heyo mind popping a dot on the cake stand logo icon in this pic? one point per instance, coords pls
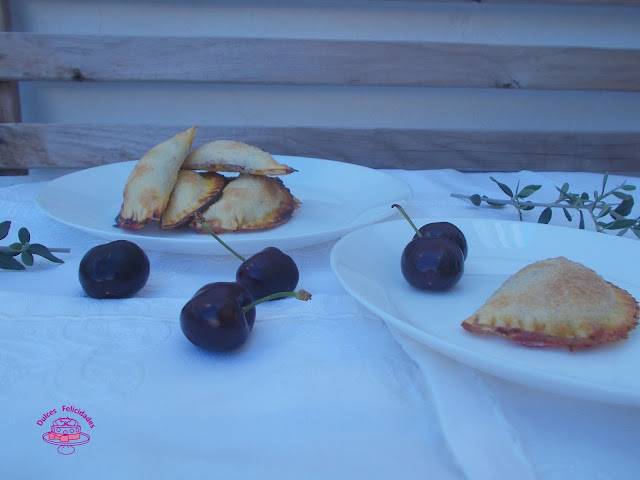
(66, 434)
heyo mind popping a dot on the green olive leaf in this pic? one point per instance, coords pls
(620, 223)
(625, 207)
(528, 190)
(7, 262)
(24, 236)
(39, 249)
(4, 229)
(621, 195)
(475, 199)
(27, 258)
(545, 216)
(494, 204)
(503, 187)
(567, 214)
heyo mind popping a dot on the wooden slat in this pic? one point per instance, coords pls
(9, 96)
(9, 99)
(314, 62)
(9, 102)
(79, 146)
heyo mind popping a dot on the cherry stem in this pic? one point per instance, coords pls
(200, 219)
(300, 295)
(407, 217)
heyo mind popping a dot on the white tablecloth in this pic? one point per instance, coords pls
(323, 389)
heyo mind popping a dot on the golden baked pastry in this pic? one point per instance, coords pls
(192, 192)
(234, 156)
(151, 181)
(557, 302)
(250, 202)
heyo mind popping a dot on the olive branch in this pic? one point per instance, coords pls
(25, 249)
(605, 214)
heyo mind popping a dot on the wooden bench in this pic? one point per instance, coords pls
(28, 57)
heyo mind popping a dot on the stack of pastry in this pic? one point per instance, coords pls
(170, 184)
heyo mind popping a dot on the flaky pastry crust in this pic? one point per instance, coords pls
(234, 156)
(250, 202)
(193, 191)
(557, 302)
(151, 181)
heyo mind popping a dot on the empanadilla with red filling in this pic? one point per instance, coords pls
(558, 303)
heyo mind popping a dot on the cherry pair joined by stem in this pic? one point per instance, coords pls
(434, 258)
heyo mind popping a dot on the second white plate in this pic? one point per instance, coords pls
(336, 198)
(367, 263)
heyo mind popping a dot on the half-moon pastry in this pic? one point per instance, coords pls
(233, 156)
(151, 181)
(192, 192)
(557, 302)
(250, 202)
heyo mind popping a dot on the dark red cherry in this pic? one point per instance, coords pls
(214, 318)
(265, 273)
(432, 263)
(268, 271)
(220, 315)
(446, 230)
(114, 270)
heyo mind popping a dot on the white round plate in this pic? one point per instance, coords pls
(335, 198)
(367, 264)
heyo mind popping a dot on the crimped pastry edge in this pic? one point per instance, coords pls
(630, 312)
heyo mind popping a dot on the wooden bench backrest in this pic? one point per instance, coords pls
(26, 57)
